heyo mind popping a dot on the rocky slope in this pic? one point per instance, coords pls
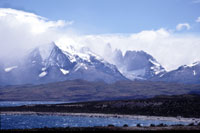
(184, 74)
(49, 63)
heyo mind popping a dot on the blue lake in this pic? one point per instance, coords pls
(20, 103)
(40, 121)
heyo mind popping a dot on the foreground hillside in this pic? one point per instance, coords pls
(79, 90)
(179, 105)
(112, 128)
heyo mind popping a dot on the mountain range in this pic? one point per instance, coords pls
(50, 63)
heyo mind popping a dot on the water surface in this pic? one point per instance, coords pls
(20, 103)
(40, 121)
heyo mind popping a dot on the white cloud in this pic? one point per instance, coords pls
(198, 20)
(20, 31)
(170, 49)
(37, 23)
(182, 26)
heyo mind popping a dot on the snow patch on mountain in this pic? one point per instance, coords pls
(194, 72)
(64, 71)
(8, 69)
(80, 65)
(155, 63)
(44, 68)
(33, 61)
(42, 74)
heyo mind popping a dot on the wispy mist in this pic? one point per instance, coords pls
(170, 49)
(21, 31)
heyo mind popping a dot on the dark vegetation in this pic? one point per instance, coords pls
(176, 106)
(112, 128)
(79, 90)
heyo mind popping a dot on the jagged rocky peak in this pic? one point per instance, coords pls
(41, 52)
(136, 60)
(47, 49)
(49, 63)
(49, 55)
(118, 57)
(137, 65)
(52, 63)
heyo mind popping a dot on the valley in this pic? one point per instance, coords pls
(80, 90)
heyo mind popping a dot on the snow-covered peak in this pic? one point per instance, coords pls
(83, 53)
(193, 64)
(45, 50)
(67, 48)
(88, 52)
(71, 52)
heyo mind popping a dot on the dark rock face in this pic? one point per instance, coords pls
(118, 58)
(137, 65)
(50, 64)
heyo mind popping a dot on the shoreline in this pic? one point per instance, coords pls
(140, 117)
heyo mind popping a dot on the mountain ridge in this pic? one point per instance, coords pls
(183, 74)
(52, 63)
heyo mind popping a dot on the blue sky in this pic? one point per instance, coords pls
(115, 16)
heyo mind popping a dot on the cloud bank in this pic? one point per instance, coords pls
(170, 49)
(20, 31)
